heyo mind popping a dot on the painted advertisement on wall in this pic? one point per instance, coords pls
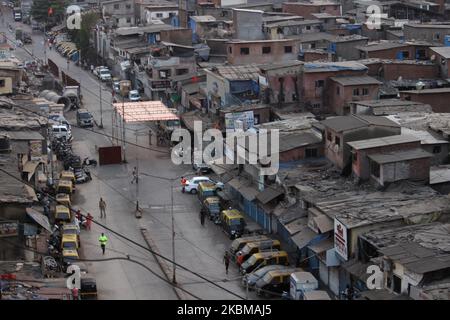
(340, 239)
(239, 120)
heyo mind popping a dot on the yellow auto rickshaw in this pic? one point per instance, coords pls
(62, 214)
(63, 199)
(67, 175)
(205, 190)
(65, 186)
(233, 223)
(261, 259)
(69, 242)
(69, 256)
(211, 206)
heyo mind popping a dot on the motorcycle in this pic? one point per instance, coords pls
(89, 162)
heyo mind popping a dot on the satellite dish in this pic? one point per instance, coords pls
(400, 78)
(420, 85)
(433, 57)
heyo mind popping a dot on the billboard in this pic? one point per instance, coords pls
(340, 239)
(9, 228)
(239, 120)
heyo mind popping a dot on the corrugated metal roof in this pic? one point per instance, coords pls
(293, 23)
(268, 194)
(397, 156)
(296, 140)
(355, 80)
(343, 123)
(381, 142)
(381, 46)
(246, 72)
(439, 175)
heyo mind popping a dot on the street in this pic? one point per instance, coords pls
(198, 248)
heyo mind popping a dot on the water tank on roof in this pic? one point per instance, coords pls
(447, 41)
(5, 145)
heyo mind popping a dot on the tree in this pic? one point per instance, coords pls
(39, 10)
(88, 22)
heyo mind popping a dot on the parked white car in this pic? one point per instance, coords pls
(58, 119)
(134, 96)
(61, 131)
(191, 185)
(104, 75)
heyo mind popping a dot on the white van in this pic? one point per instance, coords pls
(59, 131)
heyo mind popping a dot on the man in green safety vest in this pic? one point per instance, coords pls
(103, 240)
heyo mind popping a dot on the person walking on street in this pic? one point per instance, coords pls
(226, 259)
(89, 221)
(92, 68)
(135, 175)
(183, 183)
(202, 217)
(103, 240)
(102, 206)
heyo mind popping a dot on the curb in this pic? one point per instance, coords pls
(181, 295)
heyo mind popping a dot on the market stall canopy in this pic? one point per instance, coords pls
(40, 219)
(144, 111)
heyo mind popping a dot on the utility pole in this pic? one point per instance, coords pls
(45, 45)
(123, 130)
(174, 279)
(137, 173)
(101, 107)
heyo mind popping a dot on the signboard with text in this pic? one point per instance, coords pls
(161, 84)
(340, 239)
(239, 120)
(9, 228)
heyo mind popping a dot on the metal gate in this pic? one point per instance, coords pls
(110, 155)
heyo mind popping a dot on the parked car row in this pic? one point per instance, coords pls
(67, 49)
(103, 73)
(266, 269)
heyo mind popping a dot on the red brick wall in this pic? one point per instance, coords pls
(338, 102)
(439, 101)
(314, 56)
(391, 71)
(311, 94)
(299, 153)
(277, 53)
(391, 53)
(307, 10)
(361, 166)
(288, 87)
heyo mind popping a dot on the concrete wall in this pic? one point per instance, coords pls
(346, 50)
(248, 24)
(179, 36)
(339, 102)
(152, 14)
(427, 34)
(444, 68)
(256, 55)
(343, 155)
(439, 157)
(439, 101)
(305, 10)
(416, 170)
(361, 167)
(216, 85)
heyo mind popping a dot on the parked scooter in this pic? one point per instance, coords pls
(89, 162)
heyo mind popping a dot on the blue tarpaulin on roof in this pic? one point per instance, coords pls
(241, 86)
(352, 26)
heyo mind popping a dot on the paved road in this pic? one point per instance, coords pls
(199, 248)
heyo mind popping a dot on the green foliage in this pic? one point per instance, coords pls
(39, 10)
(88, 22)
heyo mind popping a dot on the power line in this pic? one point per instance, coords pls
(109, 259)
(138, 244)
